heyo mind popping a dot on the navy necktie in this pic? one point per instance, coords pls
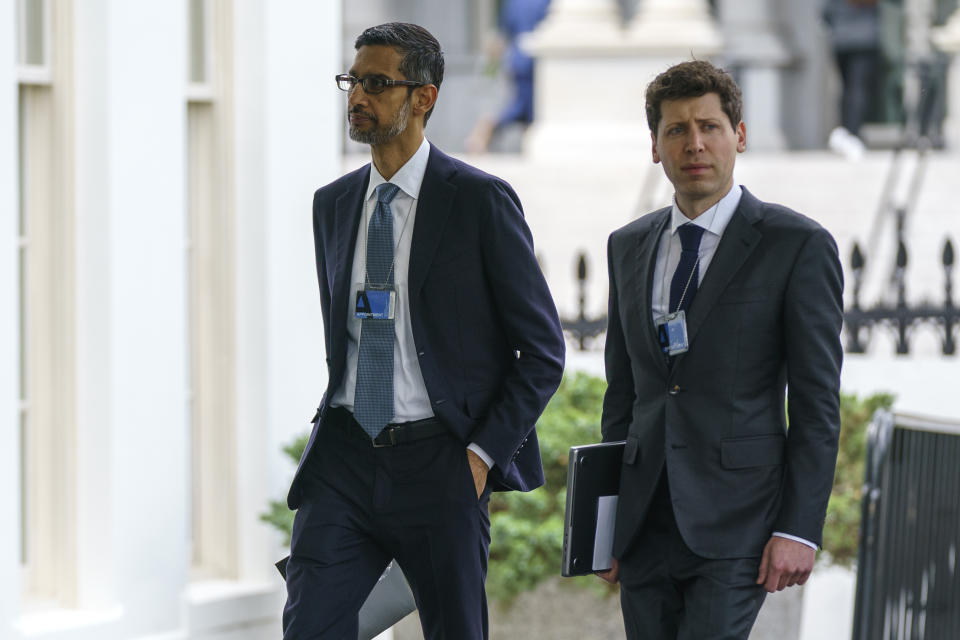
(373, 397)
(683, 286)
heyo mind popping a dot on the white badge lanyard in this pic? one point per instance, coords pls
(366, 230)
(672, 327)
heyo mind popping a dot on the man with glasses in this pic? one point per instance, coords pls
(443, 347)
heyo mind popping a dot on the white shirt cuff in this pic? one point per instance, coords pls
(473, 446)
(795, 539)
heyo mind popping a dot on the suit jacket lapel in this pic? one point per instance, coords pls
(348, 212)
(739, 240)
(434, 206)
(646, 261)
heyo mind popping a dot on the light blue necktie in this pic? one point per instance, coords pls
(373, 398)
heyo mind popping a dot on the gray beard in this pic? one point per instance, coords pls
(381, 135)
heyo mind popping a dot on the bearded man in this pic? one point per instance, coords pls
(443, 347)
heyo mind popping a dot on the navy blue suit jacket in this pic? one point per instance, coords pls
(484, 324)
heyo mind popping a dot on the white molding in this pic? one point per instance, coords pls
(216, 605)
(73, 621)
(34, 75)
(199, 92)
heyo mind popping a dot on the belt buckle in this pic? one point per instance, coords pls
(391, 433)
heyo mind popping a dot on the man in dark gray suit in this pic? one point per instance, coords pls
(717, 305)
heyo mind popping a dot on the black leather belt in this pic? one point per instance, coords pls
(394, 434)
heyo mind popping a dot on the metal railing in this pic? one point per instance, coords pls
(908, 578)
(900, 317)
(580, 327)
(859, 323)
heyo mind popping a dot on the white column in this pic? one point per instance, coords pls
(666, 32)
(757, 51)
(577, 99)
(132, 421)
(677, 27)
(96, 560)
(592, 71)
(288, 130)
(590, 24)
(304, 121)
(9, 329)
(252, 377)
(947, 39)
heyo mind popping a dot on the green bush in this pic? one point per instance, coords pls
(527, 528)
(278, 514)
(841, 532)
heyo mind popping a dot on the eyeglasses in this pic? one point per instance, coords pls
(372, 84)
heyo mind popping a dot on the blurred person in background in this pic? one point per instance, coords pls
(855, 37)
(516, 18)
(443, 347)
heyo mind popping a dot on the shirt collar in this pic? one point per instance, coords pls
(714, 219)
(409, 177)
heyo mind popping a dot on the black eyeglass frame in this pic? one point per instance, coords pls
(353, 81)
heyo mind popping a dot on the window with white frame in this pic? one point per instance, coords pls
(210, 258)
(23, 266)
(200, 54)
(46, 303)
(33, 44)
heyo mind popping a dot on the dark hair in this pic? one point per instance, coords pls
(692, 80)
(422, 58)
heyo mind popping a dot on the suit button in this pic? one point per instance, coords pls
(674, 390)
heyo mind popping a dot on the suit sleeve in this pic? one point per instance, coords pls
(620, 394)
(813, 315)
(530, 321)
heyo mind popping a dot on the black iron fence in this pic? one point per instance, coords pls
(900, 317)
(860, 323)
(580, 327)
(908, 574)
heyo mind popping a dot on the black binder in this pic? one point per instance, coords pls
(593, 473)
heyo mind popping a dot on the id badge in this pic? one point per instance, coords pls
(375, 304)
(672, 331)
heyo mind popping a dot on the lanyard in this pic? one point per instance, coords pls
(664, 290)
(366, 231)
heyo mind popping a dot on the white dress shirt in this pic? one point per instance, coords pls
(410, 399)
(714, 221)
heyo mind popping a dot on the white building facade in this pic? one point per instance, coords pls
(160, 334)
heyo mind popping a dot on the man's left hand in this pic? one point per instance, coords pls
(479, 469)
(785, 563)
